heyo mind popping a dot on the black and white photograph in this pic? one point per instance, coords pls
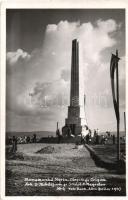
(65, 122)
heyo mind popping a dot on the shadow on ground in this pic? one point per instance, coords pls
(118, 167)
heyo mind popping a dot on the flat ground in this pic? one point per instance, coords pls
(59, 169)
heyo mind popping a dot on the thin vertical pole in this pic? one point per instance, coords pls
(118, 120)
(125, 123)
(57, 125)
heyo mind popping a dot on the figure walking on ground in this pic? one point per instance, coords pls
(14, 144)
(34, 138)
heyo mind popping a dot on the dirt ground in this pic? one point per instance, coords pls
(58, 170)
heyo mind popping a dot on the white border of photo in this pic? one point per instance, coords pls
(35, 4)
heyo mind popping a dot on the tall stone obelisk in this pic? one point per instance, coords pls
(76, 111)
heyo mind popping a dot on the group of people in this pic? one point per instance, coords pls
(96, 138)
(22, 139)
(87, 136)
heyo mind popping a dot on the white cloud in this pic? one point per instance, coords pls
(51, 28)
(51, 64)
(107, 26)
(13, 57)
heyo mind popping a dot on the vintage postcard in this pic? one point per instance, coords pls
(63, 90)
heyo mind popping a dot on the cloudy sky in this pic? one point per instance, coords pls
(39, 61)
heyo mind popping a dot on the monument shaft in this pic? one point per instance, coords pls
(74, 94)
(76, 111)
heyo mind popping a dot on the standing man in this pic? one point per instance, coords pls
(34, 138)
(14, 144)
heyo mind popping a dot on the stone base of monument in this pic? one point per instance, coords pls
(69, 140)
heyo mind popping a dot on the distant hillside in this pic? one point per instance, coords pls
(38, 133)
(122, 133)
(48, 133)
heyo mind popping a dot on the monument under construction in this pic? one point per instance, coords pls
(76, 111)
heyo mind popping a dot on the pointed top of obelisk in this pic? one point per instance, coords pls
(75, 40)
